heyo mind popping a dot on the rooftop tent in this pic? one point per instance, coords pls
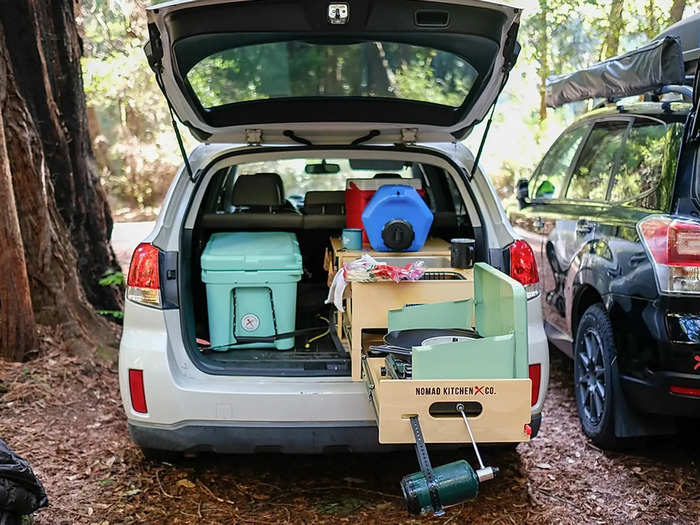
(644, 70)
(688, 31)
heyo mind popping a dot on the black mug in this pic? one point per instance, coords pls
(462, 253)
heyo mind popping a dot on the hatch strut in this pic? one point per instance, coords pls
(179, 140)
(154, 53)
(483, 141)
(486, 131)
(157, 69)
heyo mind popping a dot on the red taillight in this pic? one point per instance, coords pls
(535, 377)
(143, 283)
(674, 246)
(143, 271)
(523, 267)
(685, 390)
(138, 394)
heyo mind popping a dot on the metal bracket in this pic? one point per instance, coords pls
(426, 467)
(409, 135)
(253, 137)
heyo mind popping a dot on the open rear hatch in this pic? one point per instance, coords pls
(280, 71)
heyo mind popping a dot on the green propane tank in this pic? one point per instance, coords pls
(456, 482)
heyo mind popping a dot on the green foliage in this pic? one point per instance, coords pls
(117, 314)
(137, 153)
(112, 278)
(129, 122)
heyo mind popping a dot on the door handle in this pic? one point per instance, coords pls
(538, 223)
(583, 227)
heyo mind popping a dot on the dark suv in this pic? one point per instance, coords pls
(612, 214)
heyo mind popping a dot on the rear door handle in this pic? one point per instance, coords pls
(583, 227)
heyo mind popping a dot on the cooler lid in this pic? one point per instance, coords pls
(250, 251)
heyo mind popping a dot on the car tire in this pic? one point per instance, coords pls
(595, 370)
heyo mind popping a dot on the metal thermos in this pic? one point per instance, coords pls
(456, 482)
(462, 253)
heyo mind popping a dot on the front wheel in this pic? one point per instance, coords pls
(595, 369)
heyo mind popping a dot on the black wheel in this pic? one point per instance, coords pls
(594, 371)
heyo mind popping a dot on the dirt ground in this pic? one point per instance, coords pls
(64, 415)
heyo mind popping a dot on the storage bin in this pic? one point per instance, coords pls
(358, 193)
(251, 283)
(397, 219)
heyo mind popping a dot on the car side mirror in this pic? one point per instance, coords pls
(521, 192)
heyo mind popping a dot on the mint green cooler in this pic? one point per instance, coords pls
(251, 280)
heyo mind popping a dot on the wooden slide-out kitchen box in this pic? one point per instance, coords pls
(488, 375)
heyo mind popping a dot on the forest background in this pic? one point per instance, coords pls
(137, 153)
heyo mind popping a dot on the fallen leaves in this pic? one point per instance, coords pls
(66, 418)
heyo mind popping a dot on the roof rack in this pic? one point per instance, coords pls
(648, 69)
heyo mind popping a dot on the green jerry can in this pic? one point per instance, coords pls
(251, 281)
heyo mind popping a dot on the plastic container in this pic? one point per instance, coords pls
(251, 282)
(358, 193)
(397, 219)
(352, 238)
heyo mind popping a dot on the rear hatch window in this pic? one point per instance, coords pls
(375, 69)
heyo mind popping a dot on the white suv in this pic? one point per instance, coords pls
(291, 100)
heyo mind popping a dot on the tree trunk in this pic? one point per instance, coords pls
(611, 46)
(17, 327)
(44, 148)
(542, 54)
(44, 49)
(653, 25)
(677, 9)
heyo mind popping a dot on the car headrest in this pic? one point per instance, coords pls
(387, 176)
(317, 198)
(261, 189)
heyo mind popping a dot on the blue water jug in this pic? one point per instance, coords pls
(397, 219)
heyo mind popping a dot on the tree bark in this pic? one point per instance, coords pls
(44, 49)
(43, 149)
(542, 54)
(17, 326)
(653, 25)
(677, 9)
(616, 24)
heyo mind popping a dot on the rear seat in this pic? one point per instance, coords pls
(259, 204)
(324, 210)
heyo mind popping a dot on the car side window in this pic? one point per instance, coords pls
(595, 165)
(641, 161)
(547, 182)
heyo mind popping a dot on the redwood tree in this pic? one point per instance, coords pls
(48, 185)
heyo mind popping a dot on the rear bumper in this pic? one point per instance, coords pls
(652, 394)
(658, 346)
(271, 438)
